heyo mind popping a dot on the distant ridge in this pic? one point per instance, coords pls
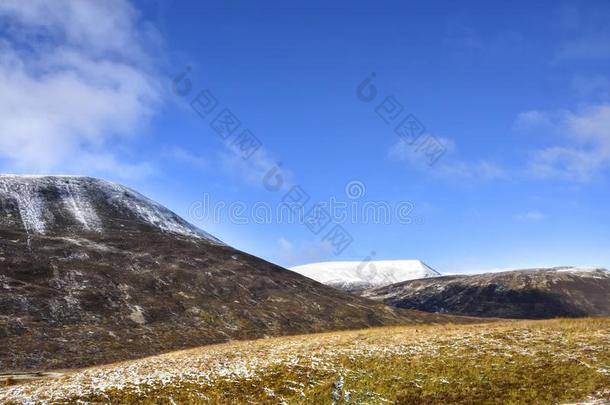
(530, 293)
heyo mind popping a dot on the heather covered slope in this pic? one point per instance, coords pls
(533, 293)
(93, 272)
(525, 362)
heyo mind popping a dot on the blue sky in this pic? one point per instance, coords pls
(518, 96)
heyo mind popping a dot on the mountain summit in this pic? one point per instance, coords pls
(69, 205)
(354, 276)
(93, 272)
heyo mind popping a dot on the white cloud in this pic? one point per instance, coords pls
(260, 169)
(76, 80)
(591, 124)
(480, 170)
(529, 119)
(462, 37)
(182, 155)
(595, 87)
(102, 162)
(585, 153)
(285, 245)
(585, 48)
(584, 33)
(531, 216)
(448, 165)
(566, 164)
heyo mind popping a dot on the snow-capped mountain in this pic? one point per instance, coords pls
(353, 275)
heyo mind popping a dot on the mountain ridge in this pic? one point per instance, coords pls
(527, 293)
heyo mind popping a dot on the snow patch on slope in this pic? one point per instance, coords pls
(151, 212)
(356, 275)
(576, 269)
(81, 208)
(588, 272)
(29, 205)
(582, 271)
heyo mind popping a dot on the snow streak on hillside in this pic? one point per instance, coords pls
(43, 201)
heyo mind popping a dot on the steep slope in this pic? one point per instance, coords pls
(355, 276)
(92, 272)
(532, 293)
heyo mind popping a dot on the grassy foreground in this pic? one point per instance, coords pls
(556, 361)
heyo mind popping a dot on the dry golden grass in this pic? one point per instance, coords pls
(553, 361)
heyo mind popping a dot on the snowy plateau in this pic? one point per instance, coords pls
(353, 275)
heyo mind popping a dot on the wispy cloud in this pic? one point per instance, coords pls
(462, 37)
(257, 169)
(528, 120)
(450, 165)
(596, 47)
(530, 216)
(595, 87)
(76, 79)
(585, 150)
(184, 156)
(586, 32)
